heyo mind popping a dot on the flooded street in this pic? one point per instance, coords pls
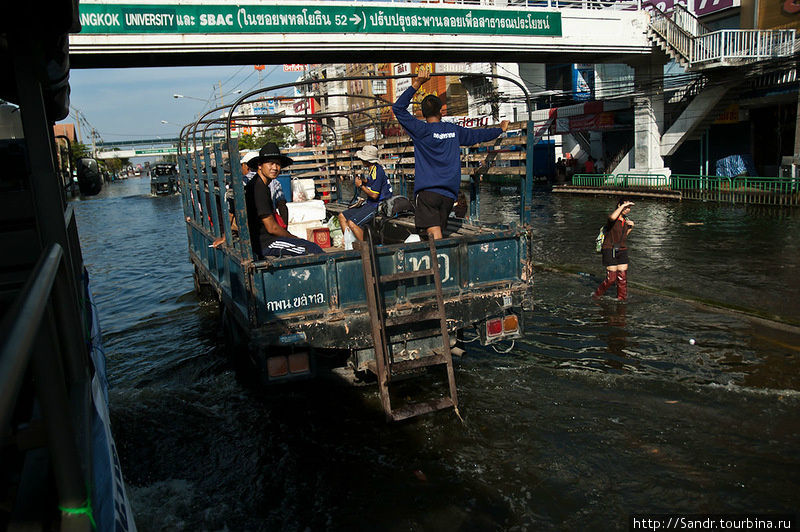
(601, 410)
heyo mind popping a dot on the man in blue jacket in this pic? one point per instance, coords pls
(437, 155)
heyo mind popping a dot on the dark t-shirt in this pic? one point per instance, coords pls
(259, 206)
(616, 234)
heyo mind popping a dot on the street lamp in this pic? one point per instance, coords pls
(190, 97)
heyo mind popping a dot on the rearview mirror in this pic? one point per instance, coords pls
(90, 181)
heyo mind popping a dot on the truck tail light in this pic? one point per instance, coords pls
(494, 327)
(510, 324)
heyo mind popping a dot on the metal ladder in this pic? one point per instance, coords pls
(385, 368)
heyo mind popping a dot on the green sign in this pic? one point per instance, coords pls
(149, 151)
(313, 18)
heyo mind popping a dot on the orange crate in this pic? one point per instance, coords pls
(321, 236)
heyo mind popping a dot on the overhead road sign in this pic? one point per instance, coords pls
(152, 151)
(313, 18)
(122, 33)
(139, 142)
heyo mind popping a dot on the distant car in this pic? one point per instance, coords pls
(163, 179)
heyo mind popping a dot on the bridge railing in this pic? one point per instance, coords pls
(782, 191)
(629, 180)
(738, 45)
(688, 20)
(674, 30)
(682, 30)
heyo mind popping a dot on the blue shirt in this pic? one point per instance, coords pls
(376, 181)
(437, 152)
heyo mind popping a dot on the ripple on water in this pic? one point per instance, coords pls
(600, 410)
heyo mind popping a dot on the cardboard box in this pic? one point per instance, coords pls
(321, 236)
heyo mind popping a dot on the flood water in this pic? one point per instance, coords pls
(601, 410)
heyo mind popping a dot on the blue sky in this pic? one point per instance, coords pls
(130, 103)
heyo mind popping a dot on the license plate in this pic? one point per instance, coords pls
(506, 301)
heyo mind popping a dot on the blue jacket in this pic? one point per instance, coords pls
(378, 182)
(437, 152)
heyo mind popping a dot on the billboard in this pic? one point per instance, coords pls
(582, 82)
(400, 85)
(778, 14)
(707, 7)
(588, 122)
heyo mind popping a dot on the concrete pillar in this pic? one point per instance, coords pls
(796, 154)
(648, 117)
(596, 141)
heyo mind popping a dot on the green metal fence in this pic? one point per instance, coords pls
(742, 189)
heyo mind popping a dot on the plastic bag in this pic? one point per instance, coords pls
(298, 191)
(349, 238)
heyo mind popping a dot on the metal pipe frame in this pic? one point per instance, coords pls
(26, 342)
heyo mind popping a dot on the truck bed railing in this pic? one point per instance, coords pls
(28, 342)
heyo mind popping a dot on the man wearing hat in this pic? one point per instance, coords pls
(248, 171)
(267, 236)
(377, 188)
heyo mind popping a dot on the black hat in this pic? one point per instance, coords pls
(268, 151)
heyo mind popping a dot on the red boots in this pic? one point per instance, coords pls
(619, 277)
(622, 285)
(611, 277)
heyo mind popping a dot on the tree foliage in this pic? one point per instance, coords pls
(281, 135)
(79, 150)
(117, 164)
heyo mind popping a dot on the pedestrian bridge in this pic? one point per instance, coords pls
(119, 34)
(116, 33)
(129, 149)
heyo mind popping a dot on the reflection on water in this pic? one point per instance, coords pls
(602, 409)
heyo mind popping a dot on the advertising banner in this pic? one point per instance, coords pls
(706, 7)
(779, 14)
(589, 122)
(400, 85)
(582, 82)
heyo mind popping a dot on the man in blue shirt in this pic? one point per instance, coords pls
(437, 155)
(376, 187)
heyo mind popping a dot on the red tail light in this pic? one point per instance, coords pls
(494, 327)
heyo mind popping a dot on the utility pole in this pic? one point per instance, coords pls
(221, 103)
(78, 125)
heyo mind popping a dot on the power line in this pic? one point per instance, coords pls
(233, 75)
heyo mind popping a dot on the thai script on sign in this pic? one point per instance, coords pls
(301, 301)
(424, 263)
(283, 18)
(468, 121)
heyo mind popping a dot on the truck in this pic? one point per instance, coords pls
(387, 310)
(163, 179)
